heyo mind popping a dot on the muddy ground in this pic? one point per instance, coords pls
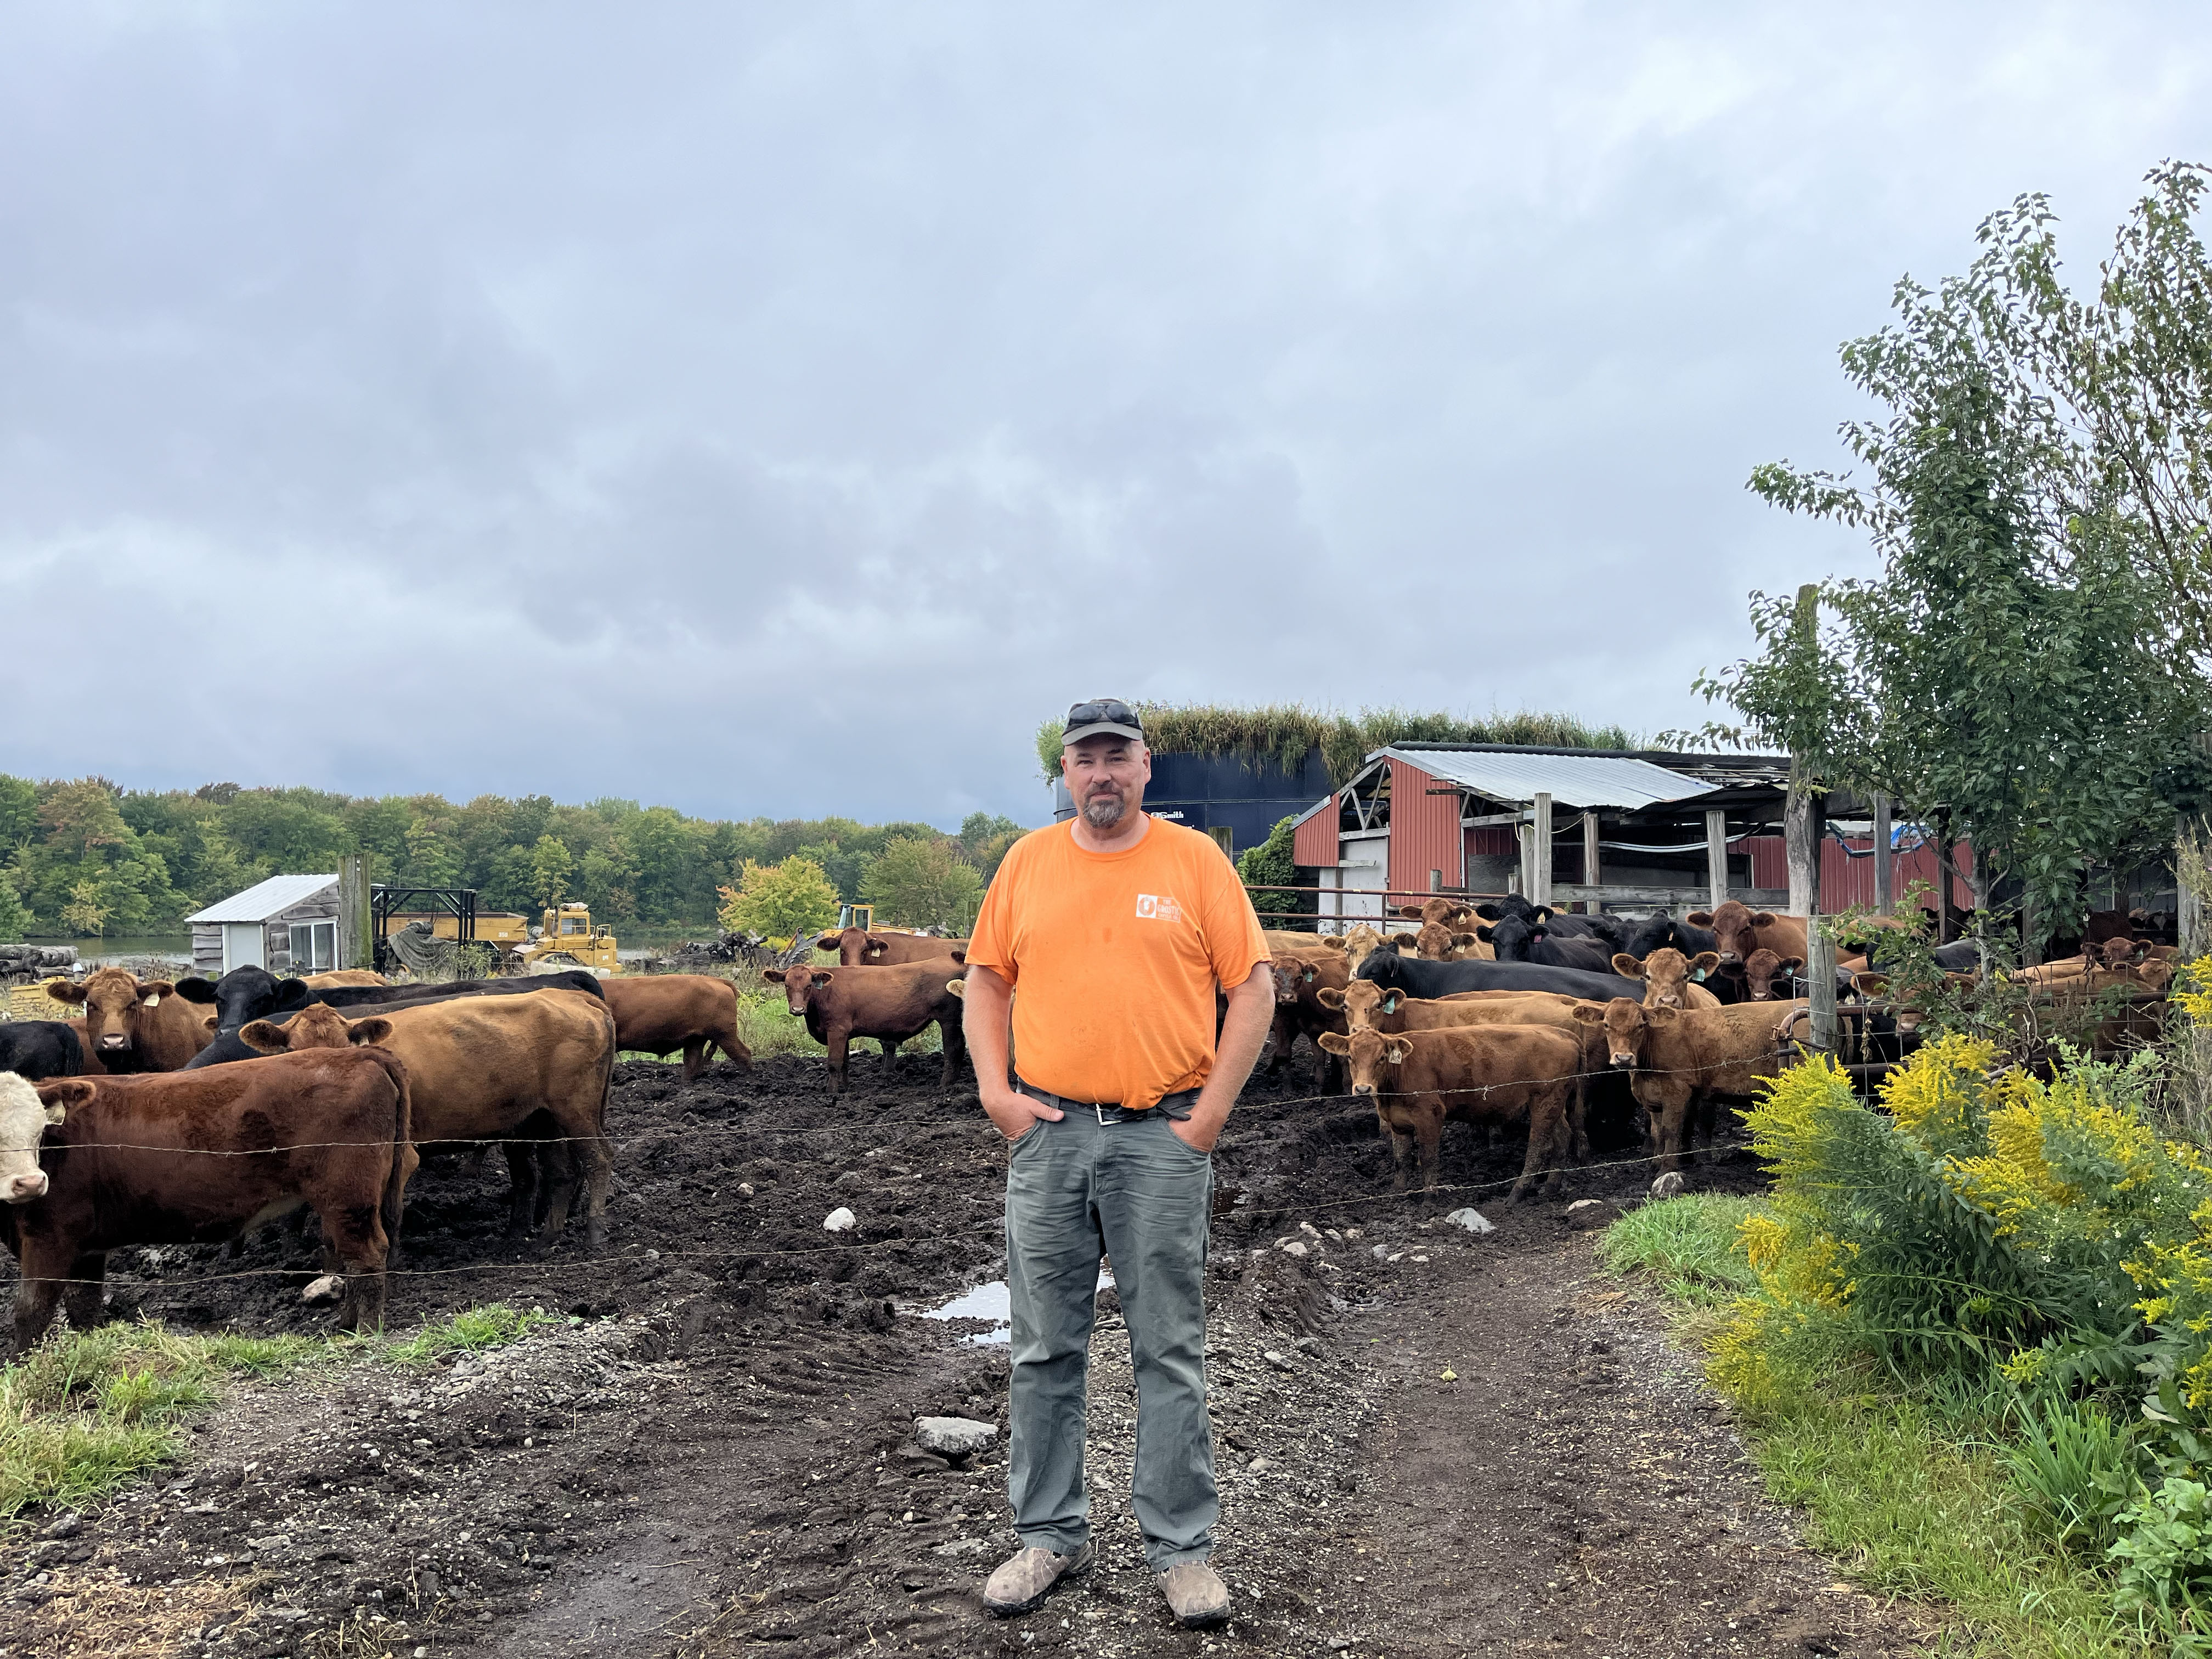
(707, 1449)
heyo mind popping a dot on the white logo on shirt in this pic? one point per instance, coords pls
(1157, 907)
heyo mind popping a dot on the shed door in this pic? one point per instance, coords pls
(242, 945)
(1361, 874)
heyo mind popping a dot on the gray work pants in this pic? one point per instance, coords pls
(1134, 1187)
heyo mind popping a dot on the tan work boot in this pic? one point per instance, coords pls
(1020, 1584)
(1195, 1594)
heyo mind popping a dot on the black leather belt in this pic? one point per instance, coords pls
(1176, 1106)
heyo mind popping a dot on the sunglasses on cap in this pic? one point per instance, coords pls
(1103, 711)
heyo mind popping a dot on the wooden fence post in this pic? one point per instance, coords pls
(2192, 842)
(1717, 856)
(1800, 840)
(1542, 876)
(1885, 865)
(1821, 986)
(356, 932)
(1591, 861)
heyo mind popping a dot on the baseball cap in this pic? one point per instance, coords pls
(1102, 717)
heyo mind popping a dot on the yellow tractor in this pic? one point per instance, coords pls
(568, 931)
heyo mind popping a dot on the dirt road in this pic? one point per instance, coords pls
(709, 1451)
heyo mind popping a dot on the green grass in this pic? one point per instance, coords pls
(85, 1411)
(1902, 1479)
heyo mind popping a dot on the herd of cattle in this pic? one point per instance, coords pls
(194, 1111)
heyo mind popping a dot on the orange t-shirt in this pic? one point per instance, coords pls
(1116, 956)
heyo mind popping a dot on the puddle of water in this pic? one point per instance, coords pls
(993, 1302)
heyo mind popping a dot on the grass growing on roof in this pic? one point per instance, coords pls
(1283, 733)
(84, 1411)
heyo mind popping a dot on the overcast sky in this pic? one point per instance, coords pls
(782, 411)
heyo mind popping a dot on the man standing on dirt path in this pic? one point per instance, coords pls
(1116, 928)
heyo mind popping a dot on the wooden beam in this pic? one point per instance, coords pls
(1821, 986)
(1593, 874)
(356, 943)
(1527, 873)
(1540, 893)
(1618, 893)
(1885, 865)
(1716, 858)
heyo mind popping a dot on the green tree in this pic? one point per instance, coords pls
(607, 877)
(551, 866)
(14, 920)
(1273, 863)
(19, 813)
(924, 883)
(433, 851)
(1978, 676)
(778, 901)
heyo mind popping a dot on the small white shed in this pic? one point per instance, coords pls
(287, 924)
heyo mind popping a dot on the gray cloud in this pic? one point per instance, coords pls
(775, 412)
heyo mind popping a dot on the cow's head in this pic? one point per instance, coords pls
(1666, 973)
(1373, 1058)
(1444, 910)
(26, 1114)
(1515, 934)
(114, 999)
(1736, 926)
(316, 1026)
(243, 994)
(1624, 1021)
(798, 983)
(1769, 977)
(1360, 1001)
(1284, 974)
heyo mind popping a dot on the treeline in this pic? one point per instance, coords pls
(85, 857)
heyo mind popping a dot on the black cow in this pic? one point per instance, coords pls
(246, 994)
(1416, 978)
(38, 1048)
(1518, 938)
(1612, 930)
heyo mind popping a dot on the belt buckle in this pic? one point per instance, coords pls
(1099, 1107)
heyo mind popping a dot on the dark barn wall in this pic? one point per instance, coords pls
(1211, 790)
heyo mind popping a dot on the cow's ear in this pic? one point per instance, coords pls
(64, 990)
(1488, 912)
(373, 1030)
(1587, 1012)
(212, 1022)
(152, 990)
(958, 987)
(1627, 966)
(1660, 1016)
(1700, 918)
(1871, 985)
(1333, 1042)
(58, 1094)
(1789, 964)
(1307, 973)
(828, 941)
(773, 976)
(824, 976)
(1332, 941)
(1396, 1049)
(1329, 997)
(1762, 919)
(1542, 913)
(959, 956)
(196, 989)
(262, 1035)
(1484, 935)
(1391, 1000)
(1704, 962)
(293, 993)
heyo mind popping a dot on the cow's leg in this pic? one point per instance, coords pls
(353, 1236)
(562, 1176)
(1431, 1127)
(82, 1296)
(38, 1293)
(695, 1053)
(954, 1041)
(1668, 1124)
(839, 1041)
(1549, 1142)
(1401, 1153)
(521, 1188)
(1280, 1036)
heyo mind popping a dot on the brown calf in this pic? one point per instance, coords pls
(1679, 1061)
(888, 1004)
(134, 1026)
(1306, 1017)
(1666, 975)
(659, 1013)
(1438, 942)
(481, 1067)
(197, 1157)
(855, 949)
(1492, 1075)
(1452, 913)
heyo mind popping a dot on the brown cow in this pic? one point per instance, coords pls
(1741, 930)
(1309, 1019)
(1678, 1059)
(344, 977)
(482, 1067)
(1299, 944)
(197, 1157)
(855, 949)
(659, 1013)
(1491, 1075)
(888, 1004)
(134, 1026)
(1438, 942)
(1666, 975)
(1451, 912)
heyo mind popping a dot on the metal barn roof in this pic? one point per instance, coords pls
(1570, 779)
(265, 899)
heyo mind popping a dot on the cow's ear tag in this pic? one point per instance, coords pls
(155, 1001)
(55, 1114)
(1699, 975)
